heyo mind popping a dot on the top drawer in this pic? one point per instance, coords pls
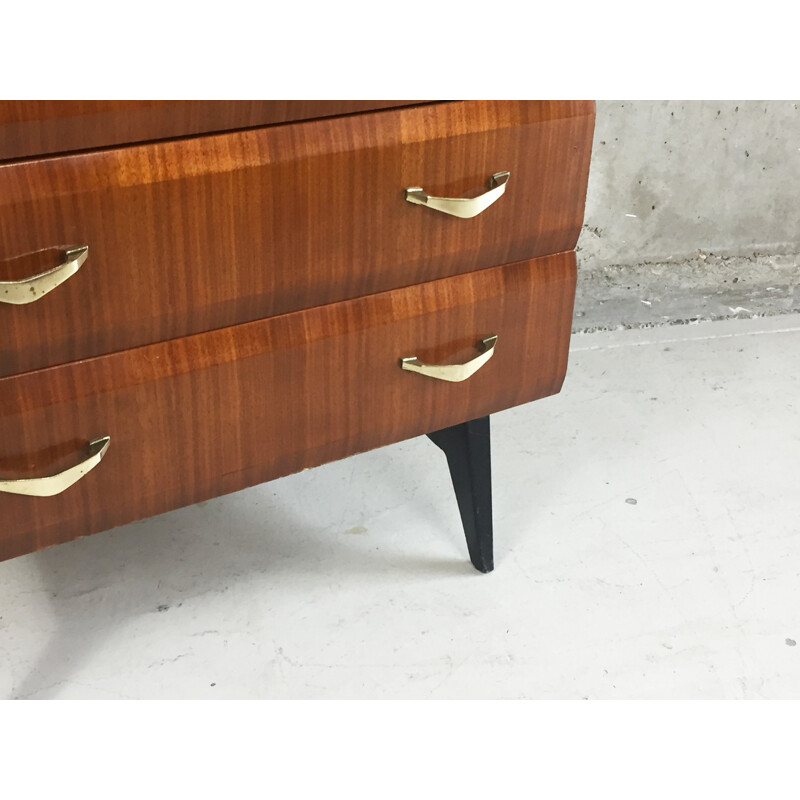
(198, 234)
(37, 127)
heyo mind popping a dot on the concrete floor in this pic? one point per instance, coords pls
(647, 526)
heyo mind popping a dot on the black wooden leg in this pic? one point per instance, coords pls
(469, 458)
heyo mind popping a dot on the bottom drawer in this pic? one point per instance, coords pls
(201, 416)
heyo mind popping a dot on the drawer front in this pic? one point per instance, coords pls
(201, 416)
(36, 127)
(195, 235)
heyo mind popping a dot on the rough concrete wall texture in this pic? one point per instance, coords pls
(695, 204)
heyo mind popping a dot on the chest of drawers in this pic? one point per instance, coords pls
(187, 309)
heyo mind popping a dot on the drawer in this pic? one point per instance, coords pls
(204, 415)
(199, 234)
(38, 127)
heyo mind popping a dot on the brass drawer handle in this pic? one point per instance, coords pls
(55, 484)
(464, 207)
(37, 286)
(453, 372)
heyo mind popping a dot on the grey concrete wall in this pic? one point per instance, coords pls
(699, 193)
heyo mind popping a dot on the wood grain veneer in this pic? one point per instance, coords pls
(37, 127)
(201, 416)
(194, 235)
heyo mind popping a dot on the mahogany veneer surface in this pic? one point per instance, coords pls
(199, 234)
(200, 416)
(37, 127)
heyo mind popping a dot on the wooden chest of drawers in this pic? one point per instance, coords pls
(187, 317)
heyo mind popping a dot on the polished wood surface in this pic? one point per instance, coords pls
(37, 127)
(201, 416)
(194, 235)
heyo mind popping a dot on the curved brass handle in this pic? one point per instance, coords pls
(37, 286)
(55, 484)
(464, 207)
(452, 372)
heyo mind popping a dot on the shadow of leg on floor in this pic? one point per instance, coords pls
(99, 585)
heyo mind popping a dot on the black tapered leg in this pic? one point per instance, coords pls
(470, 460)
